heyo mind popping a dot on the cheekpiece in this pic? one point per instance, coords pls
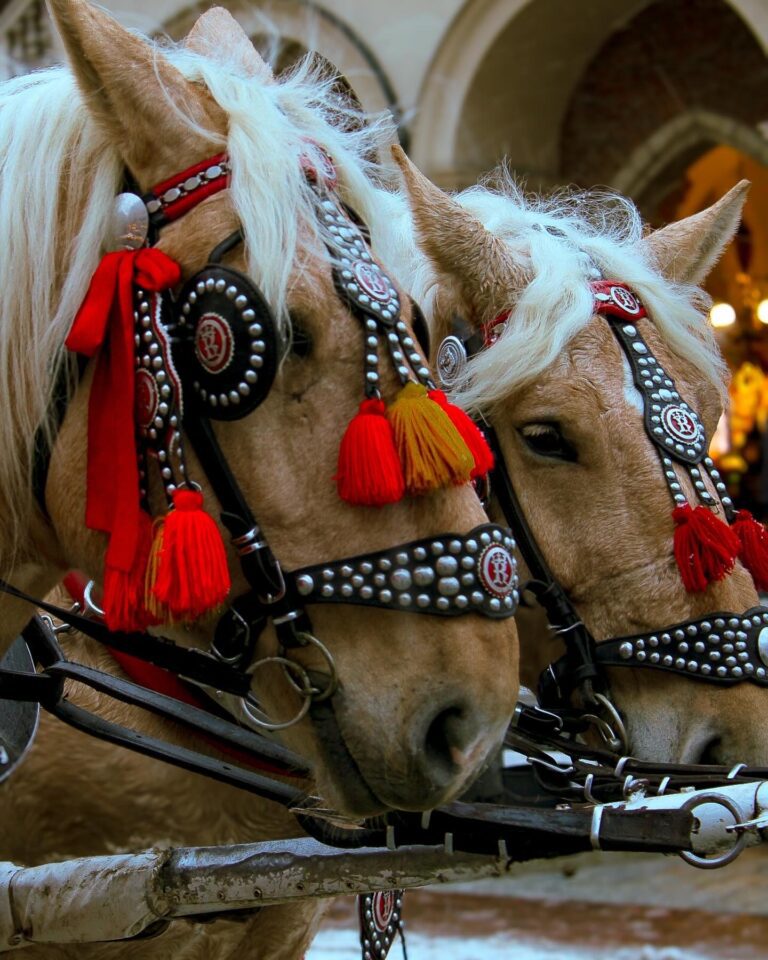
(380, 922)
(362, 282)
(447, 576)
(671, 424)
(719, 647)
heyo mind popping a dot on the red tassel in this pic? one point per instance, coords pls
(192, 576)
(705, 547)
(123, 599)
(753, 538)
(470, 434)
(369, 472)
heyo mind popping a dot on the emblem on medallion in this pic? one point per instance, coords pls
(372, 281)
(451, 361)
(379, 922)
(625, 300)
(318, 165)
(496, 570)
(214, 343)
(681, 424)
(147, 399)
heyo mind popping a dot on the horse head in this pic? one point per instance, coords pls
(592, 359)
(248, 187)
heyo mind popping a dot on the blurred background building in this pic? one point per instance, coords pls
(665, 101)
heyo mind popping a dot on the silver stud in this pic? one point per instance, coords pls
(366, 592)
(400, 579)
(448, 586)
(438, 548)
(422, 600)
(423, 576)
(446, 566)
(477, 597)
(385, 596)
(404, 599)
(471, 546)
(626, 650)
(347, 590)
(420, 553)
(327, 590)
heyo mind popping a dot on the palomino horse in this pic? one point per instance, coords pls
(421, 700)
(580, 422)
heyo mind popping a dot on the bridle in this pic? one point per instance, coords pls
(721, 647)
(212, 352)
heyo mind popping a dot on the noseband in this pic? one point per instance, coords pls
(721, 647)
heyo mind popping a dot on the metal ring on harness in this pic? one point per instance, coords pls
(712, 863)
(612, 731)
(304, 688)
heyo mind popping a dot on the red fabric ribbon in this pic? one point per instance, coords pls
(105, 324)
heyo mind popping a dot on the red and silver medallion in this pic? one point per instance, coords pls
(214, 343)
(147, 399)
(680, 423)
(496, 569)
(625, 300)
(372, 281)
(379, 922)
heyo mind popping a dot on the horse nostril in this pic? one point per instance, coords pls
(449, 741)
(710, 754)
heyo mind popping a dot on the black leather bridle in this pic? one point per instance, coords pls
(451, 574)
(722, 647)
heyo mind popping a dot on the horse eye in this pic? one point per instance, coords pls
(301, 340)
(547, 440)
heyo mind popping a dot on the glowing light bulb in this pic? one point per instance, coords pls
(722, 315)
(762, 311)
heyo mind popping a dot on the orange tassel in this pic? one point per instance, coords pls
(123, 595)
(470, 434)
(192, 574)
(431, 449)
(155, 609)
(753, 553)
(705, 547)
(369, 472)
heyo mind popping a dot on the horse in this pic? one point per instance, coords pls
(558, 380)
(218, 150)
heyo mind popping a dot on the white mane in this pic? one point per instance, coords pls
(58, 177)
(559, 240)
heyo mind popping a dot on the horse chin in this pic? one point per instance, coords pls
(340, 779)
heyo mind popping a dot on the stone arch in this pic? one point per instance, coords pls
(518, 39)
(311, 27)
(506, 65)
(648, 170)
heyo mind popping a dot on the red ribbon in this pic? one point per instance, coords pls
(105, 324)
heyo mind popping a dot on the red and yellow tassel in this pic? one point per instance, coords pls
(369, 472)
(753, 550)
(705, 548)
(470, 434)
(192, 571)
(431, 449)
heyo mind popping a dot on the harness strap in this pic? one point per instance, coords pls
(192, 664)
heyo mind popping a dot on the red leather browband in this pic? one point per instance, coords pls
(171, 199)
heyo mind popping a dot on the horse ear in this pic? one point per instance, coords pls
(457, 243)
(687, 250)
(142, 101)
(216, 34)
